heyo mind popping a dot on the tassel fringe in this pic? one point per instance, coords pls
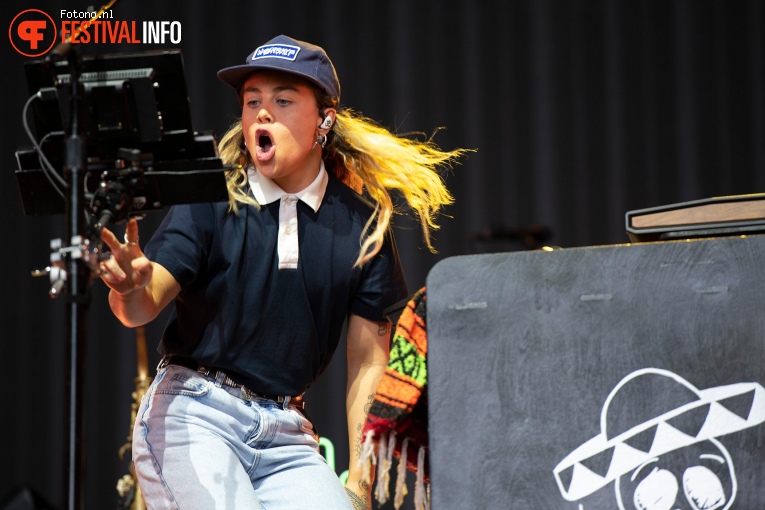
(367, 457)
(382, 470)
(401, 490)
(384, 462)
(421, 496)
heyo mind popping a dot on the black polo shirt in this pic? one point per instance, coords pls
(272, 330)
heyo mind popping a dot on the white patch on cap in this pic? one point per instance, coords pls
(283, 51)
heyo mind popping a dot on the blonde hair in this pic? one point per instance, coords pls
(364, 155)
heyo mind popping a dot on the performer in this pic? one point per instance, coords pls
(263, 286)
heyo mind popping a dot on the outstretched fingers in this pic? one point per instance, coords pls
(110, 239)
(127, 268)
(131, 232)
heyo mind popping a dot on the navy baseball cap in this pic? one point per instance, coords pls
(283, 53)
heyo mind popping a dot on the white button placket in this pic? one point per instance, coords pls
(287, 245)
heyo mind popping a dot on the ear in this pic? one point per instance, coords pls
(327, 120)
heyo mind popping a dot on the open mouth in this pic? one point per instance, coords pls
(264, 142)
(265, 147)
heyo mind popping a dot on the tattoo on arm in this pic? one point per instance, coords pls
(358, 503)
(382, 328)
(360, 426)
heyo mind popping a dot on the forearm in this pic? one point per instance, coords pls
(139, 305)
(140, 289)
(368, 346)
(135, 308)
(360, 393)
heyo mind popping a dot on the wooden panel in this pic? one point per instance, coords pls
(711, 217)
(703, 214)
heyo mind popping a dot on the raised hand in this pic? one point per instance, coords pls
(127, 269)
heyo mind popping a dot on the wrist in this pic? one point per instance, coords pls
(358, 486)
(358, 502)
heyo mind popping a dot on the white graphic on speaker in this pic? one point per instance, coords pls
(659, 444)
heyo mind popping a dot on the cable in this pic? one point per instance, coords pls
(47, 167)
(47, 170)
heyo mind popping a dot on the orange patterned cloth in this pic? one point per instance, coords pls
(397, 423)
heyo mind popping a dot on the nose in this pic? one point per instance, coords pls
(264, 116)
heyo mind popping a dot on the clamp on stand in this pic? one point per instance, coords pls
(79, 248)
(112, 202)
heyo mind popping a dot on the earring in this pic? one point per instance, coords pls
(320, 139)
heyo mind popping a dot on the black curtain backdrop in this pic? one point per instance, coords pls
(579, 110)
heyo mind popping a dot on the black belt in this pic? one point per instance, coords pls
(247, 393)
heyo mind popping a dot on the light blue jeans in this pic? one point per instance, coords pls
(197, 445)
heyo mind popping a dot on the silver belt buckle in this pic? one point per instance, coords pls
(247, 394)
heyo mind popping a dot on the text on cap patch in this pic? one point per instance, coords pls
(284, 51)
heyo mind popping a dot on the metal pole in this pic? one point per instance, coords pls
(78, 276)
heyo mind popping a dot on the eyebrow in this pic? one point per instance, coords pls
(278, 88)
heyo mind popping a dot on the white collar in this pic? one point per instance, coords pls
(267, 191)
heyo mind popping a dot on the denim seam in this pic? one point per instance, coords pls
(154, 460)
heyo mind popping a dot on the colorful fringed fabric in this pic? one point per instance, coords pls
(398, 418)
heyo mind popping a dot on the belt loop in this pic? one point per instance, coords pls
(286, 403)
(219, 377)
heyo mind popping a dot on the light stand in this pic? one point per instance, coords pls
(78, 275)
